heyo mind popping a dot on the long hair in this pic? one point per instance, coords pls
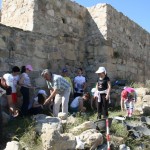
(23, 69)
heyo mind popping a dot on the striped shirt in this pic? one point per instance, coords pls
(59, 83)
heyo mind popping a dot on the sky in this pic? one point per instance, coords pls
(136, 10)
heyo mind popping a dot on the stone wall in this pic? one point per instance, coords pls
(53, 17)
(117, 43)
(18, 47)
(59, 18)
(18, 13)
(98, 48)
(131, 47)
(56, 40)
(0, 15)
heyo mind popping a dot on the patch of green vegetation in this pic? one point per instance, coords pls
(118, 129)
(134, 143)
(22, 130)
(136, 85)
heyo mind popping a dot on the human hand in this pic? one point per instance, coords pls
(46, 101)
(107, 97)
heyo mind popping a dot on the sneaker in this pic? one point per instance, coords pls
(15, 113)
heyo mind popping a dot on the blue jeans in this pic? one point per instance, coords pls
(72, 110)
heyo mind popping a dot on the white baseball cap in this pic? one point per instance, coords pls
(101, 70)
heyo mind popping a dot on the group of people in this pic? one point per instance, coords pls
(60, 90)
(18, 81)
(60, 87)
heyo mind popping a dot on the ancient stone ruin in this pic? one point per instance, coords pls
(57, 33)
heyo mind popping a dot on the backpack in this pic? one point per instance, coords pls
(3, 83)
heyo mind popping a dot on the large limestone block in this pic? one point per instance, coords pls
(62, 116)
(70, 55)
(139, 104)
(84, 126)
(2, 44)
(53, 140)
(105, 50)
(45, 123)
(141, 91)
(13, 145)
(146, 98)
(91, 138)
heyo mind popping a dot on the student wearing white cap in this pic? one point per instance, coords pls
(103, 87)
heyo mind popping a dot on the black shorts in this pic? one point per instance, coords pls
(8, 91)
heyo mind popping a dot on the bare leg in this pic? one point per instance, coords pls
(12, 108)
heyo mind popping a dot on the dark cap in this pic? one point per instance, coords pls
(64, 70)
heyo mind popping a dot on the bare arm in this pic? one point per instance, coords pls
(80, 105)
(108, 90)
(21, 80)
(84, 86)
(96, 86)
(122, 104)
(53, 93)
(92, 99)
(22, 84)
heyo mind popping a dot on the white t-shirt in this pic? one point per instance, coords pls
(11, 81)
(79, 81)
(26, 81)
(15, 81)
(75, 102)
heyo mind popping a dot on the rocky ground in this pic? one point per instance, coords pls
(82, 131)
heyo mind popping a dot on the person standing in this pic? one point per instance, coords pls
(103, 87)
(15, 73)
(25, 84)
(7, 83)
(79, 83)
(65, 75)
(1, 126)
(60, 89)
